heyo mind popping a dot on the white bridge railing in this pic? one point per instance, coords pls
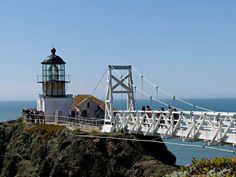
(212, 127)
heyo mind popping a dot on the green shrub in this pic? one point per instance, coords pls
(203, 166)
(147, 158)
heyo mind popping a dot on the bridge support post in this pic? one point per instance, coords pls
(117, 85)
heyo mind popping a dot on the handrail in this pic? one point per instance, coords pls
(180, 112)
(36, 118)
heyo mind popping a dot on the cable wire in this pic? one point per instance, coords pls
(169, 94)
(155, 141)
(92, 93)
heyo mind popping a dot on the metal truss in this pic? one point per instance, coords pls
(211, 127)
(118, 85)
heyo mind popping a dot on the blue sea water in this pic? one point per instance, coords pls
(10, 110)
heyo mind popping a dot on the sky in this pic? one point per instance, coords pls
(186, 47)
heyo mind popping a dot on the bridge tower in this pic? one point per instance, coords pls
(117, 85)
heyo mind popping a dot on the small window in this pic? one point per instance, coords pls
(88, 105)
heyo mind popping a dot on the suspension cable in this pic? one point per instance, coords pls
(171, 95)
(147, 95)
(100, 80)
(92, 93)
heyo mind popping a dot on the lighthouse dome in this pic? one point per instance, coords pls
(53, 59)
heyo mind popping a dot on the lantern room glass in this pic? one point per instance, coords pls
(53, 72)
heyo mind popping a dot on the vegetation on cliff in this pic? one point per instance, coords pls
(226, 166)
(49, 150)
(215, 167)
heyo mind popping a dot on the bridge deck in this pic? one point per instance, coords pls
(212, 127)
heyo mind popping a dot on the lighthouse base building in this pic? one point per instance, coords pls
(52, 106)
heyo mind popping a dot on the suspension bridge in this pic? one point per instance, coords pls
(202, 124)
(198, 123)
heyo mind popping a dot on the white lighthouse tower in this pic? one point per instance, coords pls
(54, 100)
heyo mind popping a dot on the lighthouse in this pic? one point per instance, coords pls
(54, 100)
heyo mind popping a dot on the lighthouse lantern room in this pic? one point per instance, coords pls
(54, 100)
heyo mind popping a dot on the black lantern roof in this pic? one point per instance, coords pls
(53, 59)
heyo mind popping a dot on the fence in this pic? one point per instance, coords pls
(71, 122)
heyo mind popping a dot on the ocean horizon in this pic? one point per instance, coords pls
(10, 110)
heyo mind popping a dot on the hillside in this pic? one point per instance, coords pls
(49, 150)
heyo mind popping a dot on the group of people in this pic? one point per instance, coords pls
(175, 115)
(77, 112)
(34, 115)
(148, 110)
(86, 112)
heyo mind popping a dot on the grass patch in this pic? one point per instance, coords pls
(45, 128)
(95, 132)
(20, 120)
(77, 131)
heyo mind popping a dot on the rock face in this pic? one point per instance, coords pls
(43, 150)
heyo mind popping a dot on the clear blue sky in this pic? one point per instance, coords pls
(188, 47)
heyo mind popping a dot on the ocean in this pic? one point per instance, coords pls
(10, 110)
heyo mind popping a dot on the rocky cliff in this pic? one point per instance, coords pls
(49, 150)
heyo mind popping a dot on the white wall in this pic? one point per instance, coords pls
(51, 105)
